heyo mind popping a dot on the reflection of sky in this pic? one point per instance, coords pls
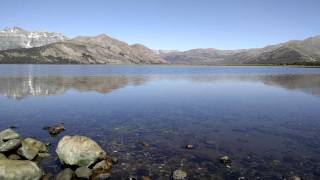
(96, 70)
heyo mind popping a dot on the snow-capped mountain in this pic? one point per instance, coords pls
(14, 38)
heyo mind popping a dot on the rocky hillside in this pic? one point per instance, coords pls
(14, 38)
(293, 52)
(100, 49)
(20, 46)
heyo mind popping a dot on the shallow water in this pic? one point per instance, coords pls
(266, 119)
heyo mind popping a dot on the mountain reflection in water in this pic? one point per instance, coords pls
(21, 87)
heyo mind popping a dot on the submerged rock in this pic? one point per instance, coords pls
(8, 134)
(294, 178)
(145, 144)
(132, 178)
(102, 176)
(79, 150)
(9, 145)
(145, 178)
(55, 130)
(31, 148)
(114, 160)
(179, 175)
(83, 172)
(189, 146)
(48, 176)
(19, 170)
(66, 174)
(225, 160)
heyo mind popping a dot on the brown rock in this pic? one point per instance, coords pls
(103, 166)
(14, 157)
(145, 178)
(55, 130)
(66, 174)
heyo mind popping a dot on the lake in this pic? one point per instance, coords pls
(266, 119)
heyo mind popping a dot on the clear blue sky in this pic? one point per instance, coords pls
(171, 24)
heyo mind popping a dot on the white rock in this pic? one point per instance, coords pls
(8, 134)
(19, 170)
(32, 147)
(79, 150)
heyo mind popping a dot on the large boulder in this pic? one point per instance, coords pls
(31, 148)
(79, 150)
(19, 170)
(8, 134)
(9, 145)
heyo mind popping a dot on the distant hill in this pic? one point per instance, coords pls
(20, 46)
(293, 52)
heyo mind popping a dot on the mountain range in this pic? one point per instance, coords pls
(20, 46)
(14, 38)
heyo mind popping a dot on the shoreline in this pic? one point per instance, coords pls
(172, 65)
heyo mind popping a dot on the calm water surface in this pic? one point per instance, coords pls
(267, 119)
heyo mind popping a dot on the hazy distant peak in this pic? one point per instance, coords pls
(15, 37)
(13, 30)
(138, 45)
(102, 36)
(164, 51)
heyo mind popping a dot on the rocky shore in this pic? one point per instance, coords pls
(79, 157)
(82, 157)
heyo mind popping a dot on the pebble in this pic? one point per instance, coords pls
(114, 160)
(48, 176)
(66, 174)
(179, 175)
(102, 176)
(145, 178)
(295, 178)
(83, 172)
(189, 146)
(225, 159)
(132, 178)
(144, 144)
